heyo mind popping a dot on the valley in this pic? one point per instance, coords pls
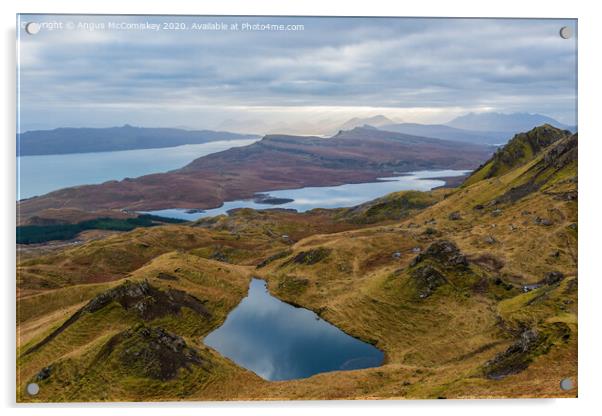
(469, 291)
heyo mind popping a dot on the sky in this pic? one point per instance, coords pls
(306, 75)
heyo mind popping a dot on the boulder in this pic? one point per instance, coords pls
(551, 278)
(543, 221)
(455, 216)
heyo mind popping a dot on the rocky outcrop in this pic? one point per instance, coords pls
(515, 359)
(428, 269)
(144, 300)
(521, 149)
(558, 158)
(551, 278)
(443, 252)
(310, 257)
(147, 301)
(531, 343)
(427, 279)
(149, 352)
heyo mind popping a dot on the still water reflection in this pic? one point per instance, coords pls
(278, 341)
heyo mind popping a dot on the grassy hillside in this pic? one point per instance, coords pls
(521, 149)
(470, 292)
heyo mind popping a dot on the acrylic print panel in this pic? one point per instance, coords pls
(277, 208)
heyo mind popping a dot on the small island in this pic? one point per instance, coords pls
(267, 199)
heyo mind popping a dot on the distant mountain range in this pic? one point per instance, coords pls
(513, 122)
(479, 128)
(482, 128)
(444, 132)
(87, 140)
(375, 121)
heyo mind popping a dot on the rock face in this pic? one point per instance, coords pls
(529, 344)
(428, 268)
(558, 158)
(515, 359)
(551, 278)
(455, 216)
(444, 252)
(310, 257)
(518, 151)
(150, 352)
(146, 301)
(427, 280)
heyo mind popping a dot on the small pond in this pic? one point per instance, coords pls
(278, 341)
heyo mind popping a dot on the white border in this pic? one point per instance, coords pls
(590, 293)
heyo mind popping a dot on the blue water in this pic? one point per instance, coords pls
(278, 341)
(347, 195)
(38, 175)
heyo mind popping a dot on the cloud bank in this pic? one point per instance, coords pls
(324, 71)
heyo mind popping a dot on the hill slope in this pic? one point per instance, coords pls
(470, 292)
(521, 149)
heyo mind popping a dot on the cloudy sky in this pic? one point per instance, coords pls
(320, 74)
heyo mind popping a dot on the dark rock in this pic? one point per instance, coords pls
(147, 301)
(499, 282)
(427, 280)
(144, 300)
(166, 276)
(150, 352)
(430, 231)
(454, 216)
(310, 257)
(44, 373)
(542, 221)
(277, 256)
(219, 256)
(443, 252)
(551, 278)
(478, 207)
(515, 359)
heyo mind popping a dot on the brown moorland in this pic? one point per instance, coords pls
(470, 292)
(275, 162)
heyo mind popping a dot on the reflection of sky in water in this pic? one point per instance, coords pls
(38, 175)
(280, 342)
(347, 195)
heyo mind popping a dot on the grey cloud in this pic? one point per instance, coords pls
(506, 65)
